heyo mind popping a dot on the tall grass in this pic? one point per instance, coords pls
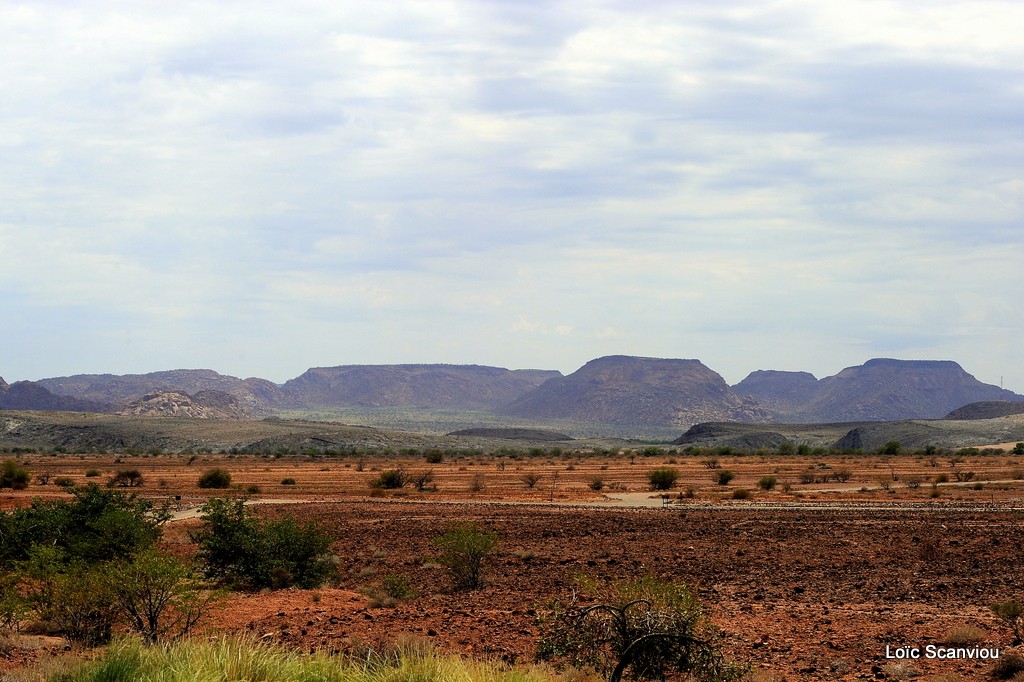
(245, 660)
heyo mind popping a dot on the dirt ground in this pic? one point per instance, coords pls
(808, 583)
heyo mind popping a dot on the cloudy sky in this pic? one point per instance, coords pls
(261, 187)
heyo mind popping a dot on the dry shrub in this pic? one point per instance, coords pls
(964, 635)
(1009, 667)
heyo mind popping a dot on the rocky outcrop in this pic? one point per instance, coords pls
(633, 391)
(469, 387)
(203, 405)
(254, 395)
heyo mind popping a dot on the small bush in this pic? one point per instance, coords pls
(650, 627)
(767, 483)
(663, 478)
(964, 635)
(288, 481)
(215, 478)
(390, 479)
(434, 457)
(126, 478)
(92, 473)
(741, 494)
(1011, 613)
(724, 477)
(530, 479)
(596, 484)
(842, 474)
(1009, 666)
(64, 481)
(464, 548)
(14, 476)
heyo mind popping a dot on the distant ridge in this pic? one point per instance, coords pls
(882, 389)
(987, 409)
(31, 395)
(628, 391)
(467, 387)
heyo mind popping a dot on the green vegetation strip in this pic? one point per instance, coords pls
(243, 660)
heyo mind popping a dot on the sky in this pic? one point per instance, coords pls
(262, 187)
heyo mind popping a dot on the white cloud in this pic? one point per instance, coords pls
(756, 184)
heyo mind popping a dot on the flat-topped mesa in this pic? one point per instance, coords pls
(637, 391)
(412, 385)
(882, 389)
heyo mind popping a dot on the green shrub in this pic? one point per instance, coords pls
(215, 478)
(645, 625)
(14, 476)
(64, 481)
(767, 483)
(97, 525)
(464, 547)
(92, 473)
(891, 448)
(1011, 613)
(250, 552)
(724, 477)
(390, 479)
(596, 484)
(741, 494)
(434, 456)
(158, 596)
(663, 478)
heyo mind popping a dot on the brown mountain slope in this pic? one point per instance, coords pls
(886, 389)
(253, 394)
(780, 392)
(30, 395)
(987, 409)
(879, 390)
(432, 386)
(628, 390)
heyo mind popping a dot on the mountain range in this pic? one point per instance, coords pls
(620, 390)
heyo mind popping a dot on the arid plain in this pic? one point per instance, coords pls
(810, 576)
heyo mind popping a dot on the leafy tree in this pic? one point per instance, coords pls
(464, 547)
(158, 595)
(97, 525)
(257, 553)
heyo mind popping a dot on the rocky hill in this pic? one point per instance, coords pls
(31, 395)
(879, 390)
(468, 387)
(630, 391)
(783, 393)
(987, 409)
(203, 405)
(253, 394)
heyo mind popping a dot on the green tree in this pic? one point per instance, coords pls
(158, 595)
(464, 547)
(257, 553)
